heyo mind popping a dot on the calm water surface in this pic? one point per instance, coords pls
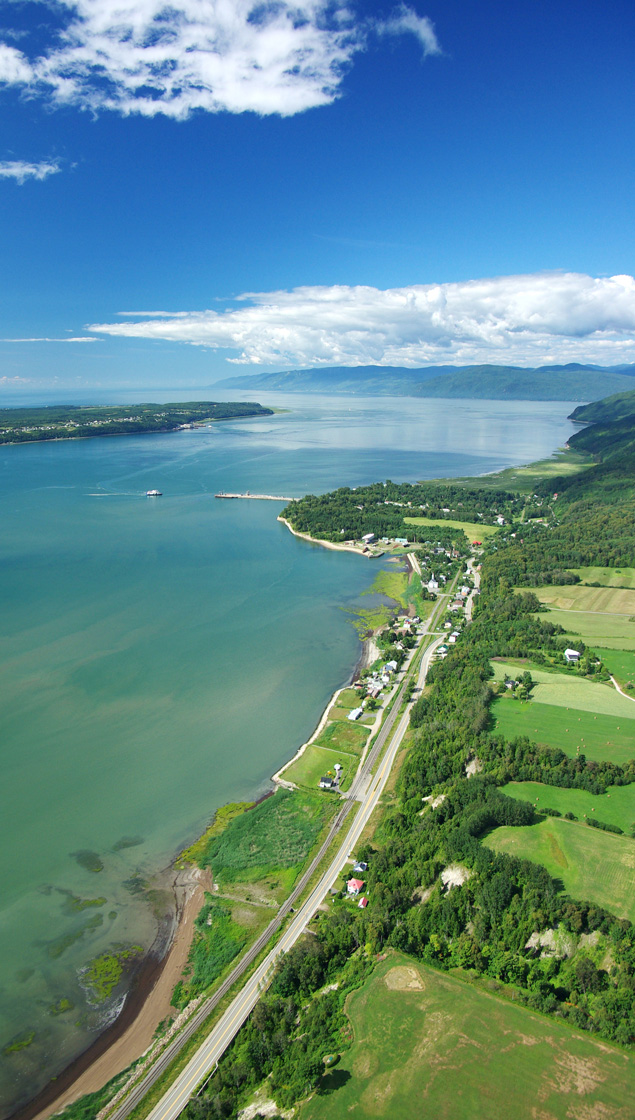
(159, 658)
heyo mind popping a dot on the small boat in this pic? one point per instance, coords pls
(153, 494)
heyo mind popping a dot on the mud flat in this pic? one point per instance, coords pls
(146, 1005)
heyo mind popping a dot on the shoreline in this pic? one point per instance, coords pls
(148, 999)
(147, 1003)
(324, 544)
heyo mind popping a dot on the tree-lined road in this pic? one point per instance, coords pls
(210, 1051)
(365, 791)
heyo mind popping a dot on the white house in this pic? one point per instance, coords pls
(571, 655)
(354, 886)
(433, 585)
(368, 538)
(355, 714)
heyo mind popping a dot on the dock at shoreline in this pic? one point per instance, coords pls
(258, 497)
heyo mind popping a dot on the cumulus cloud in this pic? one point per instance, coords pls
(20, 170)
(149, 57)
(526, 320)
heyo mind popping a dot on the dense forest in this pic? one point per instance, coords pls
(26, 425)
(488, 926)
(347, 514)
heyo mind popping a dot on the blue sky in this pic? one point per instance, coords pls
(403, 184)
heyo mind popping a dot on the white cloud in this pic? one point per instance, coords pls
(87, 339)
(404, 21)
(526, 320)
(21, 170)
(149, 57)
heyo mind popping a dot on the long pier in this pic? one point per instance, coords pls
(258, 497)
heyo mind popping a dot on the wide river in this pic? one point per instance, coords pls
(161, 657)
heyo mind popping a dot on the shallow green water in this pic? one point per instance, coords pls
(160, 657)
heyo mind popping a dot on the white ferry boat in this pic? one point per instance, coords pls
(153, 494)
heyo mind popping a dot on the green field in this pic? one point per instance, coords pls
(428, 1046)
(593, 865)
(472, 529)
(608, 577)
(599, 737)
(608, 631)
(621, 664)
(568, 691)
(515, 669)
(596, 600)
(343, 735)
(616, 806)
(524, 479)
(316, 762)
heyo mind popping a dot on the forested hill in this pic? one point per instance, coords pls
(488, 382)
(616, 407)
(27, 425)
(612, 480)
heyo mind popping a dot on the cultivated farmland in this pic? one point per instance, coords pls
(608, 577)
(567, 691)
(616, 806)
(575, 597)
(599, 737)
(473, 529)
(594, 865)
(427, 1044)
(614, 631)
(620, 663)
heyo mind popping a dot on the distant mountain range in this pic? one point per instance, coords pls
(571, 382)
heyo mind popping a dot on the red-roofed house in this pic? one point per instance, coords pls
(363, 903)
(354, 886)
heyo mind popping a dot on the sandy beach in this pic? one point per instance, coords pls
(147, 1004)
(325, 544)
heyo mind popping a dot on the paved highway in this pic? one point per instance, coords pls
(210, 1051)
(365, 789)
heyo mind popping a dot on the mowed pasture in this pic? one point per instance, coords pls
(616, 806)
(341, 740)
(472, 529)
(598, 737)
(568, 691)
(594, 865)
(316, 762)
(608, 577)
(575, 597)
(621, 664)
(609, 631)
(427, 1044)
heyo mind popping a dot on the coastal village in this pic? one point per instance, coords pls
(331, 758)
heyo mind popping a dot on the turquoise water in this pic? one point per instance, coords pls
(161, 657)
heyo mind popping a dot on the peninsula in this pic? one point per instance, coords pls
(71, 421)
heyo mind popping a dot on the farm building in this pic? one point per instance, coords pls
(571, 655)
